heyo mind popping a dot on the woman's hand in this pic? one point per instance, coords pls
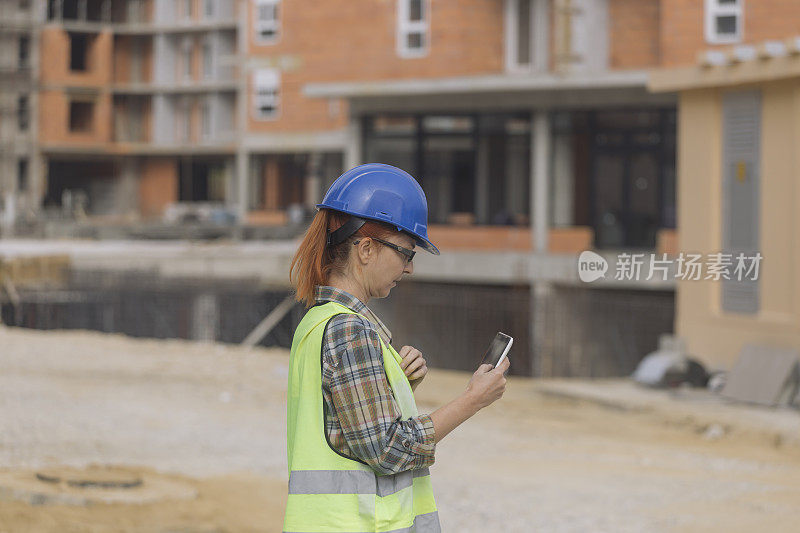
(487, 384)
(413, 364)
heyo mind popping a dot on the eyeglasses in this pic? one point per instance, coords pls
(409, 254)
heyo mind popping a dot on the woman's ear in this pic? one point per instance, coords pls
(365, 250)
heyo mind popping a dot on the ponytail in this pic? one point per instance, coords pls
(315, 260)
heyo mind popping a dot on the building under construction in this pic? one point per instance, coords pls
(528, 123)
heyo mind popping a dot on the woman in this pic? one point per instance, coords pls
(358, 449)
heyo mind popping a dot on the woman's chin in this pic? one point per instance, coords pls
(388, 290)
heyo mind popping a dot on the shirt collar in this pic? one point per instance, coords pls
(326, 293)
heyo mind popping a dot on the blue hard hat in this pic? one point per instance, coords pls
(384, 193)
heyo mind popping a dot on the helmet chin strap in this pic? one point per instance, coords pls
(347, 229)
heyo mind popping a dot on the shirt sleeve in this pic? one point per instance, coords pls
(370, 418)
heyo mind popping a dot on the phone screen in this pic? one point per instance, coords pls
(497, 349)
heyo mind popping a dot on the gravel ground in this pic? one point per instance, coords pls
(531, 462)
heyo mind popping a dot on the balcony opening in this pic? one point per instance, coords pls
(202, 180)
(82, 187)
(22, 175)
(94, 11)
(81, 116)
(23, 113)
(83, 10)
(80, 45)
(24, 52)
(69, 9)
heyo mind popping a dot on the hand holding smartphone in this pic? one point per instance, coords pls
(498, 349)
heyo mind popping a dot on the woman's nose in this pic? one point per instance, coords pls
(409, 269)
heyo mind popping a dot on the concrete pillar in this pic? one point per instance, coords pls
(242, 107)
(563, 181)
(540, 152)
(353, 156)
(205, 318)
(127, 193)
(37, 176)
(242, 177)
(313, 181)
(542, 294)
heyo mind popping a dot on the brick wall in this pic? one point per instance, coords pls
(54, 119)
(682, 26)
(158, 186)
(122, 59)
(340, 40)
(55, 59)
(633, 33)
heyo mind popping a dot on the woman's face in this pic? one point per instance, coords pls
(388, 265)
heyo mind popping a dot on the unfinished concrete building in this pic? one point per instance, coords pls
(138, 104)
(528, 123)
(19, 52)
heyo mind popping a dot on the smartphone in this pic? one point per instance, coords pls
(498, 349)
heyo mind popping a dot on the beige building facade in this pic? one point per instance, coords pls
(738, 192)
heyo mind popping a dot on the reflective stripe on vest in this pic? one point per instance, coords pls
(351, 482)
(330, 492)
(424, 522)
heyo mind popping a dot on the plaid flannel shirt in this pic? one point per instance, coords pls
(362, 418)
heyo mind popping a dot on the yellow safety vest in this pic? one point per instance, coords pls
(330, 492)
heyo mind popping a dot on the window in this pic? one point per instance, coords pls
(266, 97)
(188, 9)
(412, 27)
(206, 118)
(24, 51)
(208, 59)
(724, 21)
(526, 35)
(267, 23)
(208, 8)
(22, 175)
(78, 52)
(23, 113)
(81, 116)
(135, 11)
(183, 118)
(186, 58)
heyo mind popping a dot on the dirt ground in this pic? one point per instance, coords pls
(213, 417)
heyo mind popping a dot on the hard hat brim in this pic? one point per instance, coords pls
(420, 240)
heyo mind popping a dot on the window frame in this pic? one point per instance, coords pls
(187, 58)
(206, 119)
(713, 10)
(539, 37)
(260, 25)
(183, 120)
(268, 80)
(187, 10)
(207, 58)
(406, 27)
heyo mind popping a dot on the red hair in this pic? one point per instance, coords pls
(315, 260)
